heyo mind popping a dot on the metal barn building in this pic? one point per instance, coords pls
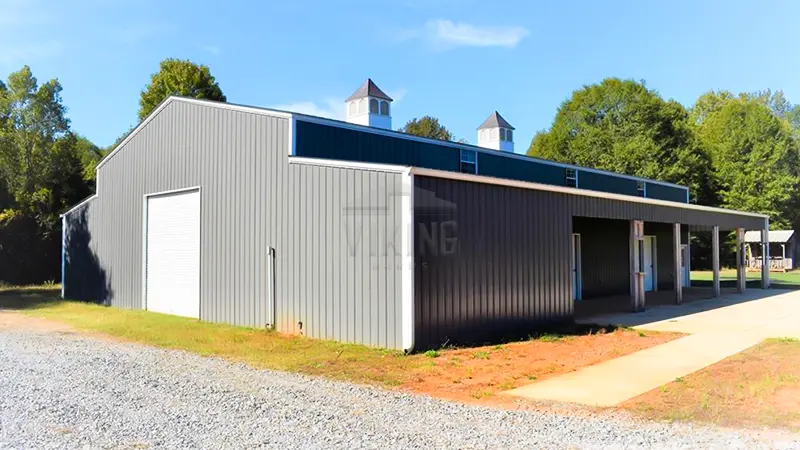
(354, 232)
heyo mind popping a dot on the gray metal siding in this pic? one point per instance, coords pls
(341, 266)
(252, 199)
(84, 278)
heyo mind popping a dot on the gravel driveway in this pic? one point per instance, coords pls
(64, 390)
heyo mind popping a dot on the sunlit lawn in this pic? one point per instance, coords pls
(784, 278)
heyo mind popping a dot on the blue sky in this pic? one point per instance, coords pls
(455, 59)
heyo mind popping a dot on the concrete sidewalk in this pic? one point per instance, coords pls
(718, 328)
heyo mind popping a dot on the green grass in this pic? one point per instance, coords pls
(550, 337)
(788, 278)
(481, 355)
(257, 347)
(51, 289)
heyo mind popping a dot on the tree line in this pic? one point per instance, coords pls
(737, 151)
(733, 150)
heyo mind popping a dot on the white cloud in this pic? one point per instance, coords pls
(332, 108)
(212, 49)
(445, 34)
(397, 94)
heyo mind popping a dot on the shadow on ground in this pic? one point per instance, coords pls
(546, 333)
(662, 306)
(25, 298)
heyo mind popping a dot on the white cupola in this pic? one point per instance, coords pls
(369, 105)
(496, 133)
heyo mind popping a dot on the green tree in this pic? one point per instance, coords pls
(41, 173)
(755, 159)
(89, 155)
(178, 77)
(708, 103)
(429, 127)
(34, 120)
(621, 126)
(780, 106)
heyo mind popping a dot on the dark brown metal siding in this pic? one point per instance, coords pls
(604, 256)
(509, 268)
(490, 260)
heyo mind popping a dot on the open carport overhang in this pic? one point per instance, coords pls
(586, 203)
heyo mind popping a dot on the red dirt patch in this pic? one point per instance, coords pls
(759, 387)
(475, 375)
(787, 399)
(13, 319)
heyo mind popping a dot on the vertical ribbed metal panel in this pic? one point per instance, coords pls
(510, 246)
(344, 281)
(330, 227)
(224, 153)
(514, 248)
(604, 256)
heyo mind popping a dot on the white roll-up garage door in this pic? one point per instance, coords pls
(173, 253)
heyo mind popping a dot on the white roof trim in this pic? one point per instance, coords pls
(349, 164)
(83, 202)
(411, 137)
(574, 191)
(169, 100)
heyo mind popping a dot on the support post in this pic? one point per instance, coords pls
(688, 261)
(676, 257)
(765, 258)
(741, 280)
(783, 257)
(636, 258)
(715, 258)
